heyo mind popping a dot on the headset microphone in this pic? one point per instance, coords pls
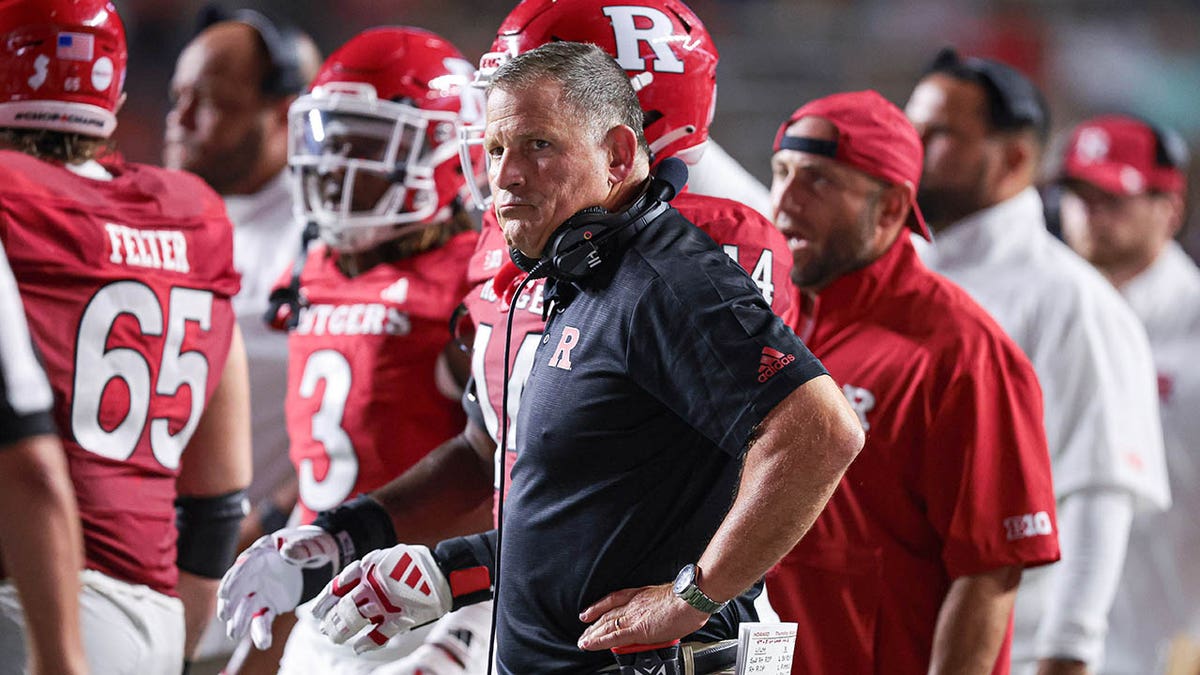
(670, 178)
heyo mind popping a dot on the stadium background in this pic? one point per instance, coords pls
(1089, 56)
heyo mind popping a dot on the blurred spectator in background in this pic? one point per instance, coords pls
(984, 125)
(230, 94)
(231, 91)
(1125, 181)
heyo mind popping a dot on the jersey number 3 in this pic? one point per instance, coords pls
(96, 367)
(330, 366)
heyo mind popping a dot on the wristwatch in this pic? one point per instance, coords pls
(686, 589)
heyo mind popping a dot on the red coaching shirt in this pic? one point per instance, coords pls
(127, 285)
(362, 403)
(743, 234)
(954, 478)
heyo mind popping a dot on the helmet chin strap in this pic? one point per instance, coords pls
(670, 137)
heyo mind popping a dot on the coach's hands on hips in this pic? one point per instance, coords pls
(388, 592)
(638, 616)
(267, 579)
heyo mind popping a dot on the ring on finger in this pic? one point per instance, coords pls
(618, 620)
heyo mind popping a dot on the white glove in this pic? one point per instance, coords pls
(267, 580)
(390, 591)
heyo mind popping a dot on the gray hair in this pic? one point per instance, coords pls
(592, 83)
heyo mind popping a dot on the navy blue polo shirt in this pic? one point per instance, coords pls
(643, 396)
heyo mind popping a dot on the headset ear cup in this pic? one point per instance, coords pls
(592, 216)
(580, 245)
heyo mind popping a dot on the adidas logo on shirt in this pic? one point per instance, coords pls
(771, 362)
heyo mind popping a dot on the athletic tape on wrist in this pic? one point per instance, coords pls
(359, 526)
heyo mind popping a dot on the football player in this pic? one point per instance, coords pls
(371, 386)
(126, 272)
(672, 61)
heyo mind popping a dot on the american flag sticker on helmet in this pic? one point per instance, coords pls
(75, 46)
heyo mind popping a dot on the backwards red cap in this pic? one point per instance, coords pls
(1124, 156)
(874, 137)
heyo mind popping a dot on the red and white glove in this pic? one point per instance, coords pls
(388, 591)
(267, 580)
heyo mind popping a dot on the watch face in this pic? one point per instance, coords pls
(686, 576)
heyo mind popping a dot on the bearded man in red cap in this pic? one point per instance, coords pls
(914, 564)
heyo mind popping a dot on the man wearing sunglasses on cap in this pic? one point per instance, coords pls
(1123, 204)
(983, 126)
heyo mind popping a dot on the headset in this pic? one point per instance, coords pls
(284, 77)
(581, 245)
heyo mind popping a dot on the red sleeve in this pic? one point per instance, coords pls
(751, 240)
(986, 477)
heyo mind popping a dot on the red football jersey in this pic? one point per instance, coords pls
(362, 403)
(127, 285)
(744, 235)
(954, 478)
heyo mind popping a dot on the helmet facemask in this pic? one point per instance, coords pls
(363, 168)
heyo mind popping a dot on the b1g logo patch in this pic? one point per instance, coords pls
(1028, 525)
(562, 353)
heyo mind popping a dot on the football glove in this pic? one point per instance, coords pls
(269, 579)
(386, 592)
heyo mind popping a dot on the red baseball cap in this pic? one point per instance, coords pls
(874, 136)
(1125, 156)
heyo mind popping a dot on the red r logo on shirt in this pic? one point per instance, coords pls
(562, 354)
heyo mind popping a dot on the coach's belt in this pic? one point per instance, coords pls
(702, 658)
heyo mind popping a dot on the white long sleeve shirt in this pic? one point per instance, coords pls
(1093, 361)
(266, 239)
(1159, 595)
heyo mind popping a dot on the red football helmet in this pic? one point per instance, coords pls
(663, 45)
(62, 65)
(374, 143)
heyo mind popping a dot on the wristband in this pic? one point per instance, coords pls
(359, 526)
(467, 564)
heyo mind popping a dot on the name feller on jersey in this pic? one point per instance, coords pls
(156, 249)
